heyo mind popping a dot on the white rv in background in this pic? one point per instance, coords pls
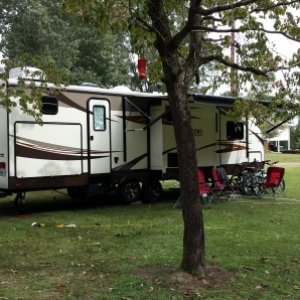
(114, 139)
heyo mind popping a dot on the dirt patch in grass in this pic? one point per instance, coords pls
(171, 277)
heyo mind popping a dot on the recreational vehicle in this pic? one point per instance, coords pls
(106, 139)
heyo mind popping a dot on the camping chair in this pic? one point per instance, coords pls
(274, 180)
(221, 182)
(218, 183)
(205, 190)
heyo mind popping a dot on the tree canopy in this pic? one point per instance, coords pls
(233, 39)
(38, 32)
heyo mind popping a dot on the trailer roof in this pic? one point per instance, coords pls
(125, 91)
(118, 90)
(214, 100)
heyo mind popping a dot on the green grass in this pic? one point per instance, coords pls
(101, 258)
(282, 157)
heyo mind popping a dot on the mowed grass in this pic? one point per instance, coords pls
(104, 252)
(282, 157)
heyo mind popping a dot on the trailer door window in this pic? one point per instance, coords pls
(49, 105)
(235, 130)
(99, 118)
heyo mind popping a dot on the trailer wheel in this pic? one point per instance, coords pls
(130, 191)
(78, 192)
(152, 192)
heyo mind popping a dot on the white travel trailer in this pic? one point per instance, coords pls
(114, 138)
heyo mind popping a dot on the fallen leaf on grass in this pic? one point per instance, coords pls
(261, 287)
(71, 226)
(83, 273)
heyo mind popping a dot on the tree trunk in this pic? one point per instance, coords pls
(177, 77)
(193, 259)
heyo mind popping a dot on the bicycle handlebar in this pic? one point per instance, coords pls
(246, 164)
(267, 162)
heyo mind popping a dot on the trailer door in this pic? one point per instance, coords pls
(99, 137)
(3, 149)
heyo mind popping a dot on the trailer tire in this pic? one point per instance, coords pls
(78, 192)
(130, 191)
(152, 192)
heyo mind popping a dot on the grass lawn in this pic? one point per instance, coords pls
(130, 252)
(282, 157)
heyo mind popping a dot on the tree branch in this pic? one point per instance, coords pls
(159, 19)
(239, 30)
(236, 66)
(274, 6)
(221, 8)
(192, 19)
(144, 25)
(211, 18)
(280, 32)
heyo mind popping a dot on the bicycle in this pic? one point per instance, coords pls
(251, 178)
(241, 179)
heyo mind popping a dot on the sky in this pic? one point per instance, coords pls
(284, 46)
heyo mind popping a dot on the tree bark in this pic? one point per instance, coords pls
(193, 259)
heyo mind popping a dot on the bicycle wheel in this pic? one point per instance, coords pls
(258, 186)
(235, 183)
(247, 185)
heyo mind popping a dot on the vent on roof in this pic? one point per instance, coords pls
(29, 73)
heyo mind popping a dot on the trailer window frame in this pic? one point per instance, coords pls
(49, 105)
(234, 130)
(102, 121)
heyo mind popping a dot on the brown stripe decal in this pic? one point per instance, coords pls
(129, 165)
(231, 148)
(43, 145)
(40, 150)
(30, 152)
(68, 102)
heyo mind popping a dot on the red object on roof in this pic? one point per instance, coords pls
(142, 68)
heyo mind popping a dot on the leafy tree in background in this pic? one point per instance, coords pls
(38, 32)
(295, 136)
(186, 36)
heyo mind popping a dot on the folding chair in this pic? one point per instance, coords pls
(274, 181)
(205, 190)
(218, 183)
(221, 182)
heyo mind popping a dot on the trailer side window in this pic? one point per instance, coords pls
(49, 105)
(99, 118)
(235, 130)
